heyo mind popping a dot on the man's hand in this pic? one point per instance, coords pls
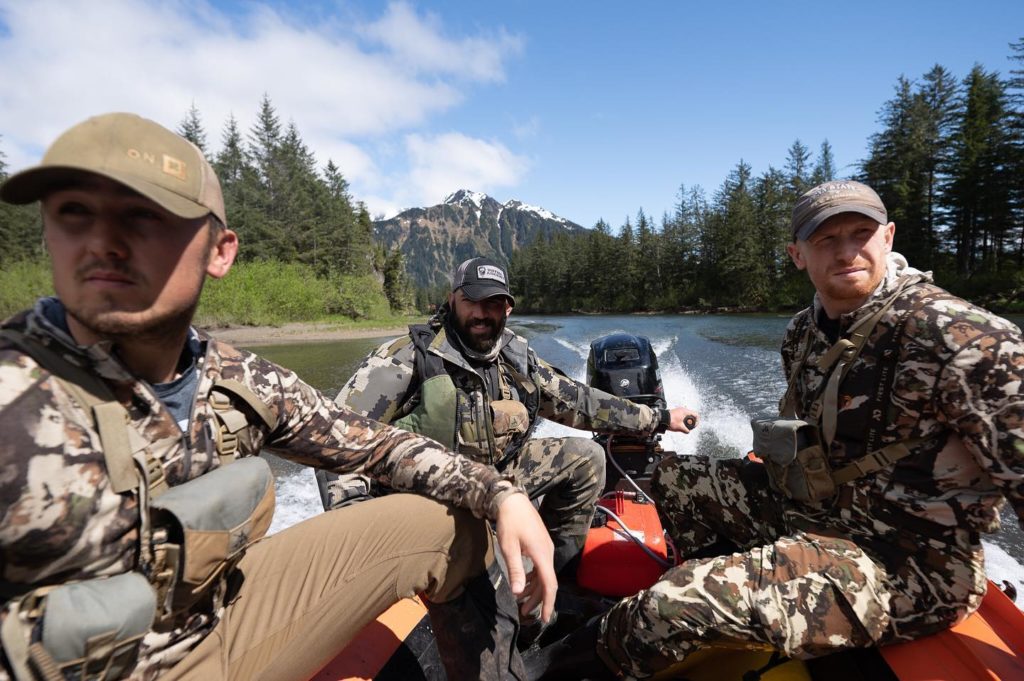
(683, 420)
(522, 533)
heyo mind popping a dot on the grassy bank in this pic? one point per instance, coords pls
(253, 294)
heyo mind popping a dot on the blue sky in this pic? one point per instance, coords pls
(589, 109)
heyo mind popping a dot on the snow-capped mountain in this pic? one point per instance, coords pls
(434, 240)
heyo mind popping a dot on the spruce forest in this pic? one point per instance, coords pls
(947, 160)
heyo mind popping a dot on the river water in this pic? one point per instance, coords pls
(725, 367)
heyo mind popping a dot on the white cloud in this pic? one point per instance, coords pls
(348, 86)
(443, 163)
(419, 44)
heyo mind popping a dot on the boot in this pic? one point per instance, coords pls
(476, 631)
(573, 657)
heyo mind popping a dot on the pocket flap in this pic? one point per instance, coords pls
(221, 499)
(122, 606)
(776, 440)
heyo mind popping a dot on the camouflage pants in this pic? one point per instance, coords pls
(805, 588)
(569, 473)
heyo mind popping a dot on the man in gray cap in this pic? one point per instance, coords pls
(133, 505)
(471, 384)
(900, 434)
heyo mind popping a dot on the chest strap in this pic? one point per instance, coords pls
(836, 362)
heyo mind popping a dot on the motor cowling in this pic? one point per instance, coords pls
(625, 366)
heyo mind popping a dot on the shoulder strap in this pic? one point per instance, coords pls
(840, 358)
(427, 364)
(110, 418)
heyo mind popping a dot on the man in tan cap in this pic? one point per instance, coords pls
(132, 499)
(900, 434)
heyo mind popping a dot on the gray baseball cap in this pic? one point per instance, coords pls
(481, 278)
(137, 152)
(832, 198)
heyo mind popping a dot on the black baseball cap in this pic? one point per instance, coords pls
(481, 278)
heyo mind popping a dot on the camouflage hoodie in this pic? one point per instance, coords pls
(60, 520)
(956, 383)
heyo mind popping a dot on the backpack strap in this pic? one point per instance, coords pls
(875, 461)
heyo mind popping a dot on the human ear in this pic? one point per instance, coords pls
(222, 253)
(796, 256)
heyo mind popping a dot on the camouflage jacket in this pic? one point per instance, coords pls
(61, 521)
(380, 390)
(955, 375)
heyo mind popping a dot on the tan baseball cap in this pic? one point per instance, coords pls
(832, 198)
(137, 152)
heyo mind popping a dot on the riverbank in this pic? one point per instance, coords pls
(300, 332)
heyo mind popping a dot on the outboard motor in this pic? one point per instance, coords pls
(625, 366)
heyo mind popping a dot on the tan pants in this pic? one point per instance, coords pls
(309, 589)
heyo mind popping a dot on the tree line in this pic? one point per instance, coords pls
(948, 161)
(283, 207)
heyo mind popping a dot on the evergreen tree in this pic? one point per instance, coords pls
(978, 195)
(362, 242)
(338, 231)
(741, 277)
(396, 281)
(1015, 141)
(798, 173)
(647, 282)
(20, 227)
(191, 128)
(240, 186)
(679, 248)
(906, 157)
(629, 297)
(825, 166)
(601, 261)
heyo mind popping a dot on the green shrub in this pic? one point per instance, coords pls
(21, 283)
(266, 293)
(361, 297)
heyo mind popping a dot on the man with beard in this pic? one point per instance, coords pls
(133, 505)
(471, 384)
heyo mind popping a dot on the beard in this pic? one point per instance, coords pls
(118, 326)
(111, 317)
(483, 340)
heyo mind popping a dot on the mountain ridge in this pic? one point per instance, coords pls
(434, 239)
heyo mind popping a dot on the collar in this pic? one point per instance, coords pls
(897, 273)
(48, 321)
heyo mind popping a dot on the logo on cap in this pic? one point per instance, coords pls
(175, 167)
(490, 272)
